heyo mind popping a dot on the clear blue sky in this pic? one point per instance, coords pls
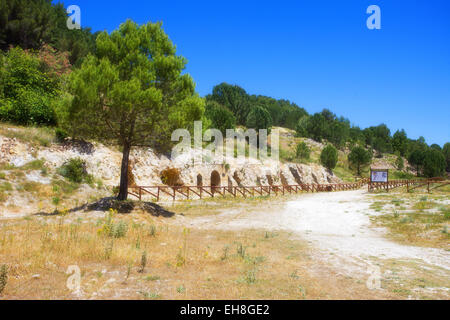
(318, 54)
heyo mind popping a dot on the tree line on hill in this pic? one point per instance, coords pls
(230, 105)
(128, 87)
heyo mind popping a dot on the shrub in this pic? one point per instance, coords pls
(61, 135)
(171, 177)
(26, 89)
(75, 171)
(303, 151)
(112, 229)
(3, 277)
(329, 157)
(399, 163)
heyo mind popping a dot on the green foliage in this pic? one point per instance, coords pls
(434, 163)
(259, 118)
(234, 98)
(446, 152)
(113, 229)
(359, 157)
(29, 24)
(61, 134)
(221, 118)
(132, 92)
(26, 90)
(303, 151)
(329, 157)
(3, 277)
(400, 142)
(324, 125)
(416, 158)
(282, 113)
(301, 128)
(399, 163)
(75, 171)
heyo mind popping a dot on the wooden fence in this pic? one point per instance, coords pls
(191, 192)
(431, 184)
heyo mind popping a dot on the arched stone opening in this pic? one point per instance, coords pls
(199, 180)
(215, 180)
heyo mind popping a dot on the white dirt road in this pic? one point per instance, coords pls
(337, 224)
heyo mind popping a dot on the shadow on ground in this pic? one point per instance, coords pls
(123, 207)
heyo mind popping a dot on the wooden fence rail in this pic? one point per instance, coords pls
(431, 184)
(189, 192)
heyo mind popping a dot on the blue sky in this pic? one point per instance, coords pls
(318, 54)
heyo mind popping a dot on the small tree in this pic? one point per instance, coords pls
(303, 151)
(433, 163)
(259, 118)
(359, 157)
(399, 163)
(221, 118)
(329, 157)
(446, 152)
(132, 92)
(416, 159)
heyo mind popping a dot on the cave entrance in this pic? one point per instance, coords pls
(199, 180)
(215, 180)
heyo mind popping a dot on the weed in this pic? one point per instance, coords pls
(250, 276)
(143, 262)
(111, 229)
(5, 186)
(225, 253)
(294, 275)
(3, 277)
(150, 295)
(152, 231)
(109, 250)
(241, 250)
(181, 289)
(34, 165)
(152, 278)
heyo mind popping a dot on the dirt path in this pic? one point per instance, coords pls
(336, 224)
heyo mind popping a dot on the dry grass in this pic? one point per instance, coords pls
(417, 218)
(180, 263)
(35, 136)
(411, 280)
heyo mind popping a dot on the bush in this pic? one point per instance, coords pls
(61, 135)
(3, 277)
(171, 177)
(112, 229)
(26, 90)
(75, 171)
(303, 151)
(329, 157)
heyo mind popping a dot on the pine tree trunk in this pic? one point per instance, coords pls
(123, 190)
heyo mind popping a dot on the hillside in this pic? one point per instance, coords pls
(31, 177)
